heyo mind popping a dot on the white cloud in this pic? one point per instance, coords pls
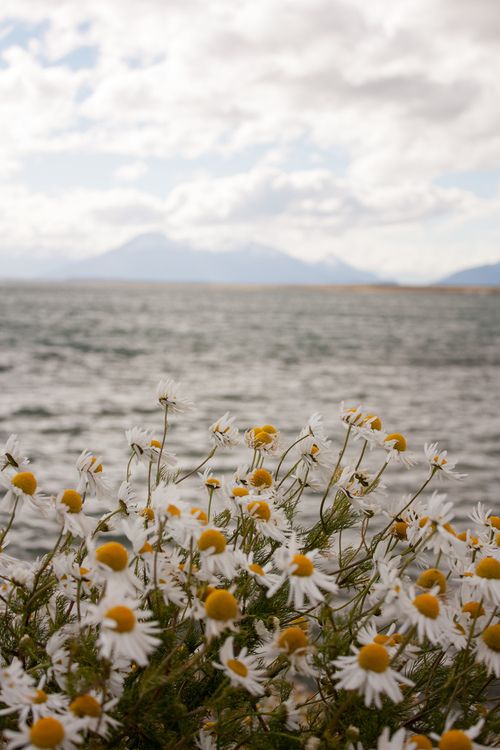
(131, 172)
(407, 91)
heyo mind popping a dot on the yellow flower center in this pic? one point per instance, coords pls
(212, 538)
(399, 529)
(270, 429)
(40, 697)
(173, 510)
(387, 640)
(256, 568)
(427, 605)
(495, 522)
(488, 567)
(84, 571)
(46, 732)
(474, 609)
(86, 705)
(155, 444)
(112, 554)
(200, 515)
(491, 636)
(261, 478)
(497, 539)
(146, 548)
(373, 658)
(376, 422)
(400, 443)
(262, 438)
(221, 605)
(148, 514)
(25, 481)
(292, 639)
(73, 500)
(432, 577)
(260, 509)
(239, 491)
(123, 617)
(98, 468)
(356, 418)
(212, 482)
(314, 449)
(237, 666)
(421, 741)
(455, 739)
(303, 566)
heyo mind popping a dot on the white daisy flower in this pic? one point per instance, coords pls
(124, 628)
(11, 455)
(242, 669)
(440, 460)
(368, 672)
(397, 449)
(111, 562)
(61, 732)
(269, 521)
(304, 578)
(69, 512)
(91, 480)
(458, 739)
(215, 556)
(260, 573)
(22, 486)
(484, 577)
(487, 648)
(220, 612)
(29, 699)
(171, 394)
(223, 433)
(425, 613)
(93, 713)
(146, 449)
(265, 439)
(292, 643)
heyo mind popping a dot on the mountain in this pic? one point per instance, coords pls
(477, 276)
(152, 257)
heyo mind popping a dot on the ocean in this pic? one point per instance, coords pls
(79, 364)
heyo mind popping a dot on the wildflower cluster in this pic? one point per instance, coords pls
(195, 609)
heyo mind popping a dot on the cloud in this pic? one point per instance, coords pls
(407, 92)
(131, 172)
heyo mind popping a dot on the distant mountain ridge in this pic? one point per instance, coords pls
(488, 275)
(152, 257)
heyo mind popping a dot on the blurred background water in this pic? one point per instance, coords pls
(80, 363)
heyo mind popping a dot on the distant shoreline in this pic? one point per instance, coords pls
(362, 288)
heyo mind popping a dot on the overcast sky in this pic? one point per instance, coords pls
(364, 130)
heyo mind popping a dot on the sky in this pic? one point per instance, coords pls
(365, 131)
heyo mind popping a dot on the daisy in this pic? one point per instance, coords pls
(485, 576)
(241, 670)
(171, 394)
(260, 573)
(220, 612)
(397, 449)
(439, 460)
(22, 485)
(30, 700)
(458, 739)
(11, 455)
(425, 613)
(269, 521)
(265, 439)
(223, 433)
(69, 512)
(291, 643)
(93, 713)
(91, 480)
(431, 522)
(304, 579)
(61, 732)
(368, 672)
(487, 648)
(260, 480)
(146, 449)
(124, 629)
(111, 561)
(215, 555)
